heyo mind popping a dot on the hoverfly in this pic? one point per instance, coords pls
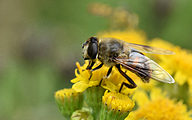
(114, 52)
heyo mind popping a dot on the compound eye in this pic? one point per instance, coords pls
(92, 50)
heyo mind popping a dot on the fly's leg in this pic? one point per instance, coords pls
(90, 75)
(91, 63)
(98, 67)
(127, 85)
(108, 73)
(132, 85)
(89, 67)
(100, 82)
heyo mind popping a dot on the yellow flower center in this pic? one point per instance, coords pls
(162, 109)
(117, 102)
(61, 94)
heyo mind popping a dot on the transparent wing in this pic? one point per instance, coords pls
(149, 49)
(159, 74)
(145, 68)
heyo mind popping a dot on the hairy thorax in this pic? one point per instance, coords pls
(108, 49)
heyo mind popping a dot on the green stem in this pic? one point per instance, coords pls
(93, 96)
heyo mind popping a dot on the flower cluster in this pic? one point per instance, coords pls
(179, 66)
(94, 96)
(158, 106)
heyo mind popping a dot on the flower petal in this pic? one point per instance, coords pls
(74, 80)
(80, 86)
(141, 98)
(157, 93)
(180, 77)
(109, 85)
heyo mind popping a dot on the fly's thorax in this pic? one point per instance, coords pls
(113, 47)
(108, 49)
(107, 60)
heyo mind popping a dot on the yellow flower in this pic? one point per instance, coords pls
(115, 106)
(112, 83)
(60, 94)
(179, 66)
(68, 100)
(117, 101)
(132, 36)
(84, 79)
(158, 107)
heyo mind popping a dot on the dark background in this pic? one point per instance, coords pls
(40, 41)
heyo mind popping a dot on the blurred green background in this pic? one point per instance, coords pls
(40, 41)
